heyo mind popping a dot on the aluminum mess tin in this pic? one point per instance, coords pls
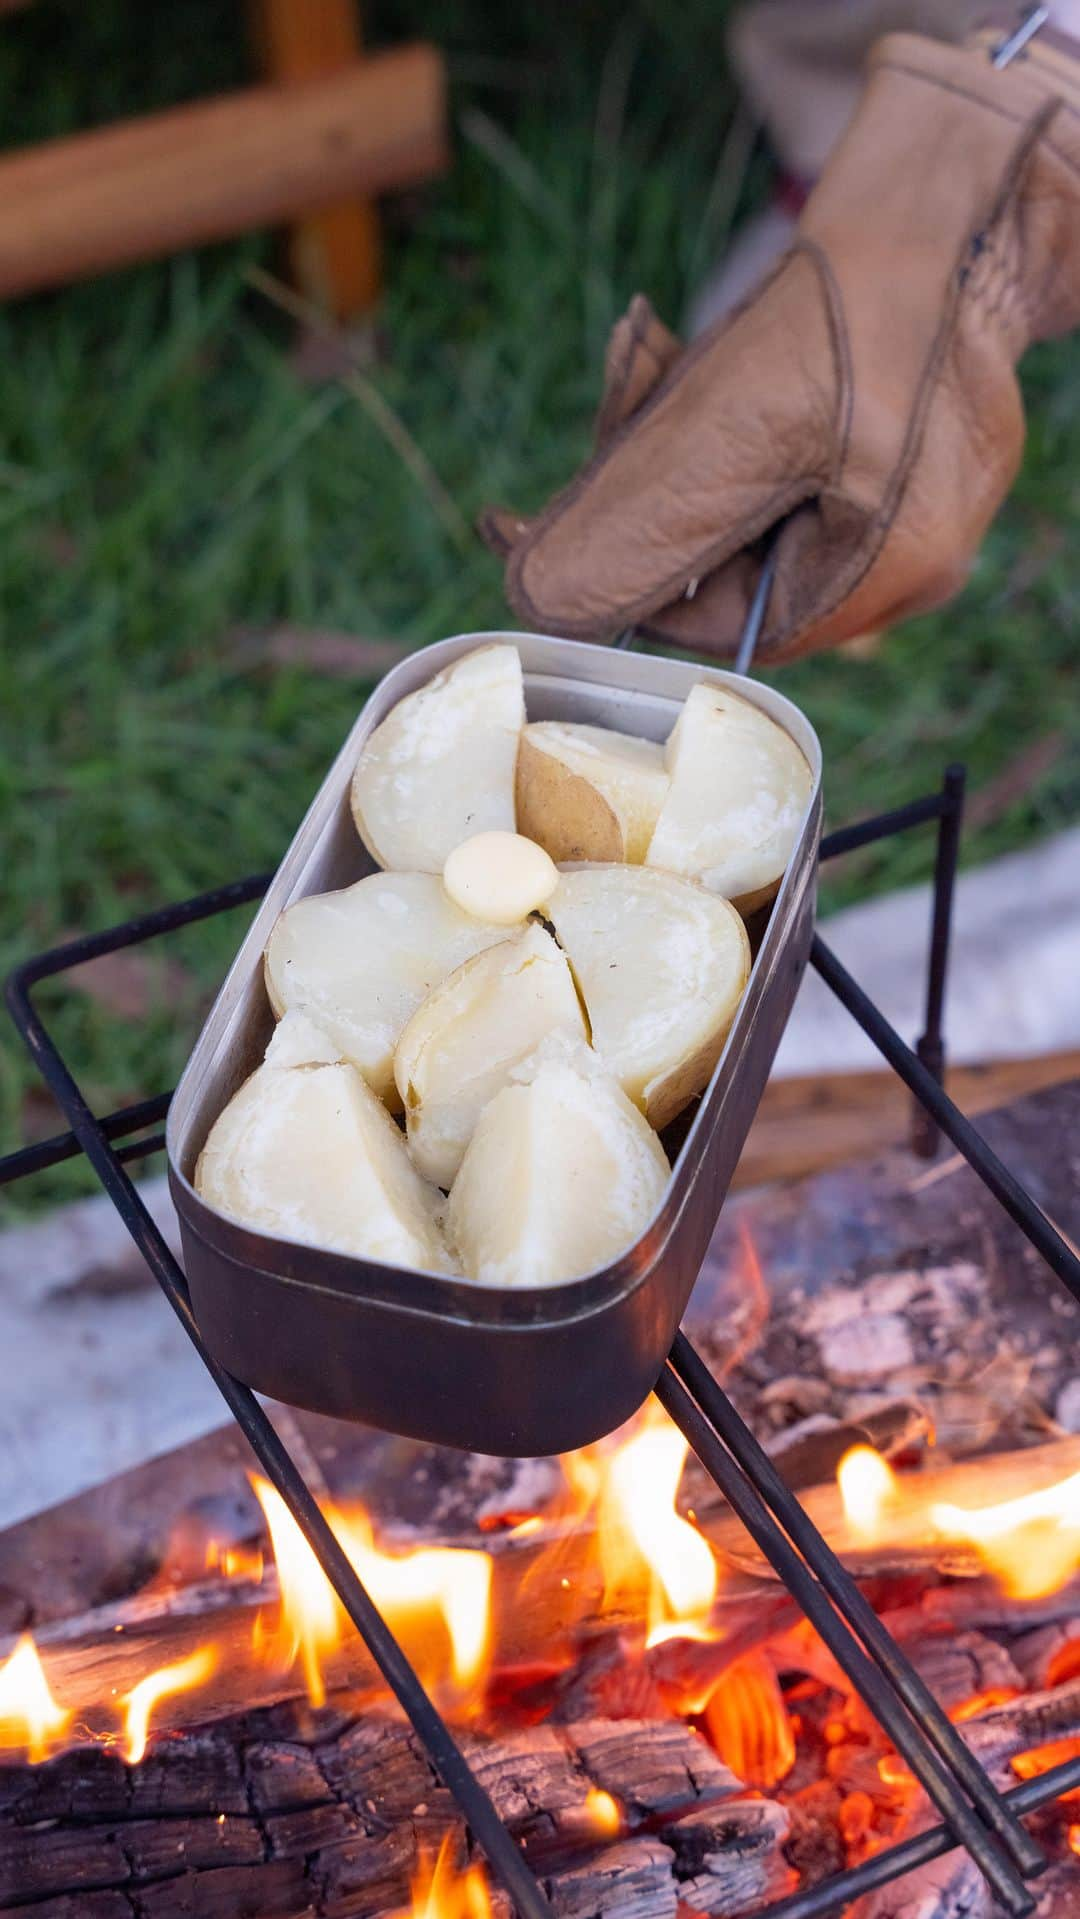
(512, 1371)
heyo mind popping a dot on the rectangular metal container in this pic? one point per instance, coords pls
(510, 1371)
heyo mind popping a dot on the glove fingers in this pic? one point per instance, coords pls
(639, 353)
(726, 446)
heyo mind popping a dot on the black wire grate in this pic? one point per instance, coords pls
(974, 1814)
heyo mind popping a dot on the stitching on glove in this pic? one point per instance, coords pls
(879, 527)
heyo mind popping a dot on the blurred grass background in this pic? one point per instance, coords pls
(174, 478)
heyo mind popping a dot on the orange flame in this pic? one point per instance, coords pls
(1074, 1839)
(1031, 1544)
(602, 1813)
(748, 1723)
(442, 1892)
(30, 1719)
(451, 1582)
(641, 1538)
(182, 1676)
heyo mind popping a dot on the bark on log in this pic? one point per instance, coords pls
(269, 1815)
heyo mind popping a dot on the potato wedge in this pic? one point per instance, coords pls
(561, 1175)
(360, 962)
(739, 789)
(586, 793)
(306, 1152)
(441, 765)
(458, 1048)
(661, 965)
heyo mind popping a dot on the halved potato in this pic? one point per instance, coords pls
(586, 793)
(441, 765)
(306, 1152)
(739, 789)
(458, 1048)
(561, 1175)
(361, 961)
(661, 965)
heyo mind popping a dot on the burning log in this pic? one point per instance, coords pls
(291, 1813)
(909, 1522)
(952, 1885)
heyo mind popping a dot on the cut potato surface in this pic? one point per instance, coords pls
(500, 876)
(458, 1048)
(306, 1152)
(586, 793)
(561, 1175)
(360, 962)
(739, 789)
(441, 765)
(661, 965)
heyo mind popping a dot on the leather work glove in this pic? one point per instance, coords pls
(865, 396)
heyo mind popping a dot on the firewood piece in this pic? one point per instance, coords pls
(379, 1766)
(964, 1664)
(277, 1890)
(651, 1766)
(366, 1875)
(911, 1541)
(77, 1905)
(158, 1848)
(1049, 1654)
(629, 1881)
(534, 1785)
(309, 1828)
(198, 1772)
(83, 1784)
(728, 1860)
(1036, 1719)
(42, 1859)
(282, 1777)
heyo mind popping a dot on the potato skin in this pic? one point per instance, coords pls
(562, 812)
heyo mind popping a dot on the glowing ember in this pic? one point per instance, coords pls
(453, 1584)
(642, 1539)
(1031, 1544)
(234, 1562)
(182, 1676)
(30, 1719)
(1030, 1765)
(442, 1892)
(602, 1812)
(748, 1723)
(1074, 1839)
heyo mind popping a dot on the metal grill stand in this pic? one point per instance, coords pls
(973, 1812)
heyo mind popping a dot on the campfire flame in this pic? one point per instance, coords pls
(1030, 1544)
(30, 1719)
(749, 1725)
(182, 1676)
(452, 1583)
(440, 1891)
(642, 1540)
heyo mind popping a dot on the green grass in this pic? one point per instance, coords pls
(166, 477)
